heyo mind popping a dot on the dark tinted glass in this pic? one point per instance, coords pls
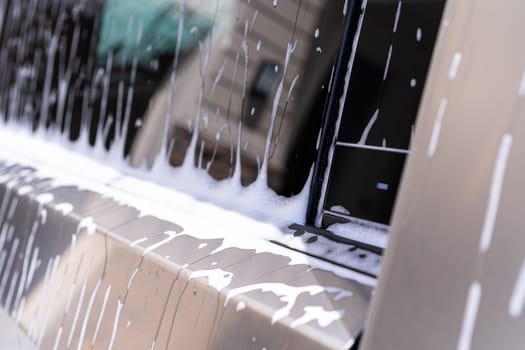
(396, 41)
(151, 74)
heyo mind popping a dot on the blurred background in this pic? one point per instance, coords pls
(287, 90)
(151, 74)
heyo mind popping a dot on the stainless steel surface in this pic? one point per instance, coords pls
(13, 338)
(100, 274)
(451, 279)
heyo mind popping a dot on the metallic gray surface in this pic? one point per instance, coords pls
(434, 257)
(163, 304)
(12, 336)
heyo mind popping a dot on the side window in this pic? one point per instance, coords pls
(379, 97)
(236, 93)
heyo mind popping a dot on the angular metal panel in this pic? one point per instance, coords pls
(106, 276)
(453, 273)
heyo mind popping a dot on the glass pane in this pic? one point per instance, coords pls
(207, 84)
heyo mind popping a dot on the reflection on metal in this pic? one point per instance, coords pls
(227, 93)
(453, 273)
(80, 270)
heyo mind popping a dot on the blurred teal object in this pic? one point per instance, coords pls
(159, 19)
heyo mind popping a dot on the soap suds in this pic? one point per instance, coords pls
(340, 209)
(361, 233)
(217, 278)
(233, 228)
(454, 67)
(319, 314)
(495, 193)
(469, 317)
(517, 299)
(434, 138)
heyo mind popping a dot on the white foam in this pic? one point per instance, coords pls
(495, 193)
(387, 65)
(32, 268)
(64, 208)
(517, 299)
(317, 313)
(521, 90)
(87, 224)
(469, 317)
(434, 138)
(454, 67)
(77, 313)
(233, 228)
(171, 235)
(101, 315)
(50, 307)
(132, 277)
(334, 251)
(12, 209)
(25, 264)
(138, 241)
(87, 314)
(364, 136)
(10, 293)
(44, 198)
(361, 233)
(288, 294)
(217, 278)
(43, 216)
(340, 209)
(398, 14)
(57, 339)
(115, 324)
(8, 267)
(24, 190)
(241, 305)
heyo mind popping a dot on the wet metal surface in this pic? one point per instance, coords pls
(13, 338)
(454, 272)
(79, 270)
